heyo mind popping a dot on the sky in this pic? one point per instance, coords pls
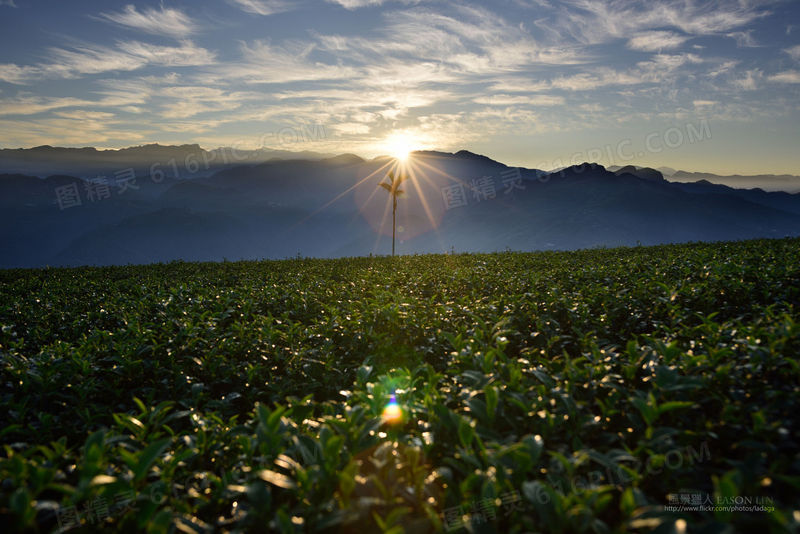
(697, 85)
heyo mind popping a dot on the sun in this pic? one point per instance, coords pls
(400, 146)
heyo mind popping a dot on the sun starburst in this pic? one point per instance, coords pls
(400, 146)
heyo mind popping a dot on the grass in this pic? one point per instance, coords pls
(585, 391)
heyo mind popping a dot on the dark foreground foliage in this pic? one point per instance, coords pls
(552, 392)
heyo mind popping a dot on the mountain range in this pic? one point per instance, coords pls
(183, 161)
(768, 182)
(322, 206)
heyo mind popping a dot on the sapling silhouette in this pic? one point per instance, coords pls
(393, 187)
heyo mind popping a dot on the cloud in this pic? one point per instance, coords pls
(185, 55)
(599, 21)
(743, 39)
(660, 70)
(164, 21)
(355, 4)
(188, 101)
(67, 131)
(8, 3)
(654, 41)
(509, 100)
(125, 95)
(128, 56)
(90, 60)
(265, 63)
(11, 73)
(794, 52)
(93, 59)
(723, 68)
(789, 76)
(594, 80)
(118, 94)
(27, 104)
(351, 128)
(465, 42)
(263, 7)
(81, 114)
(750, 80)
(517, 85)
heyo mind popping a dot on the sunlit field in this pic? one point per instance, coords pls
(609, 390)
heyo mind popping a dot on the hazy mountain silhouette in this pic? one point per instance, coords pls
(768, 182)
(645, 173)
(184, 161)
(333, 206)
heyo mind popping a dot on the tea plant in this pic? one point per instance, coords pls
(554, 392)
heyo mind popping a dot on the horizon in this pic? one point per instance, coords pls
(709, 87)
(408, 155)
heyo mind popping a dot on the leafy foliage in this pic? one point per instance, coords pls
(562, 392)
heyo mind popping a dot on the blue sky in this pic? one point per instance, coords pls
(699, 85)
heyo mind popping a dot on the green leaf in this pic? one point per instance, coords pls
(465, 432)
(673, 405)
(627, 503)
(647, 411)
(491, 400)
(147, 457)
(276, 479)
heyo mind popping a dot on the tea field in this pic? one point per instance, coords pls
(647, 389)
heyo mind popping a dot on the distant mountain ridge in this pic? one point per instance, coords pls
(184, 161)
(768, 182)
(332, 206)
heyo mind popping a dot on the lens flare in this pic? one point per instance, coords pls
(392, 413)
(400, 146)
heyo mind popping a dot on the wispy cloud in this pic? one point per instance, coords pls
(743, 39)
(355, 4)
(597, 21)
(263, 7)
(659, 69)
(163, 21)
(188, 101)
(11, 73)
(750, 80)
(90, 59)
(93, 59)
(654, 41)
(82, 114)
(28, 104)
(64, 131)
(789, 76)
(119, 94)
(794, 52)
(724, 67)
(466, 41)
(126, 95)
(352, 128)
(589, 81)
(526, 100)
(8, 3)
(264, 63)
(187, 54)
